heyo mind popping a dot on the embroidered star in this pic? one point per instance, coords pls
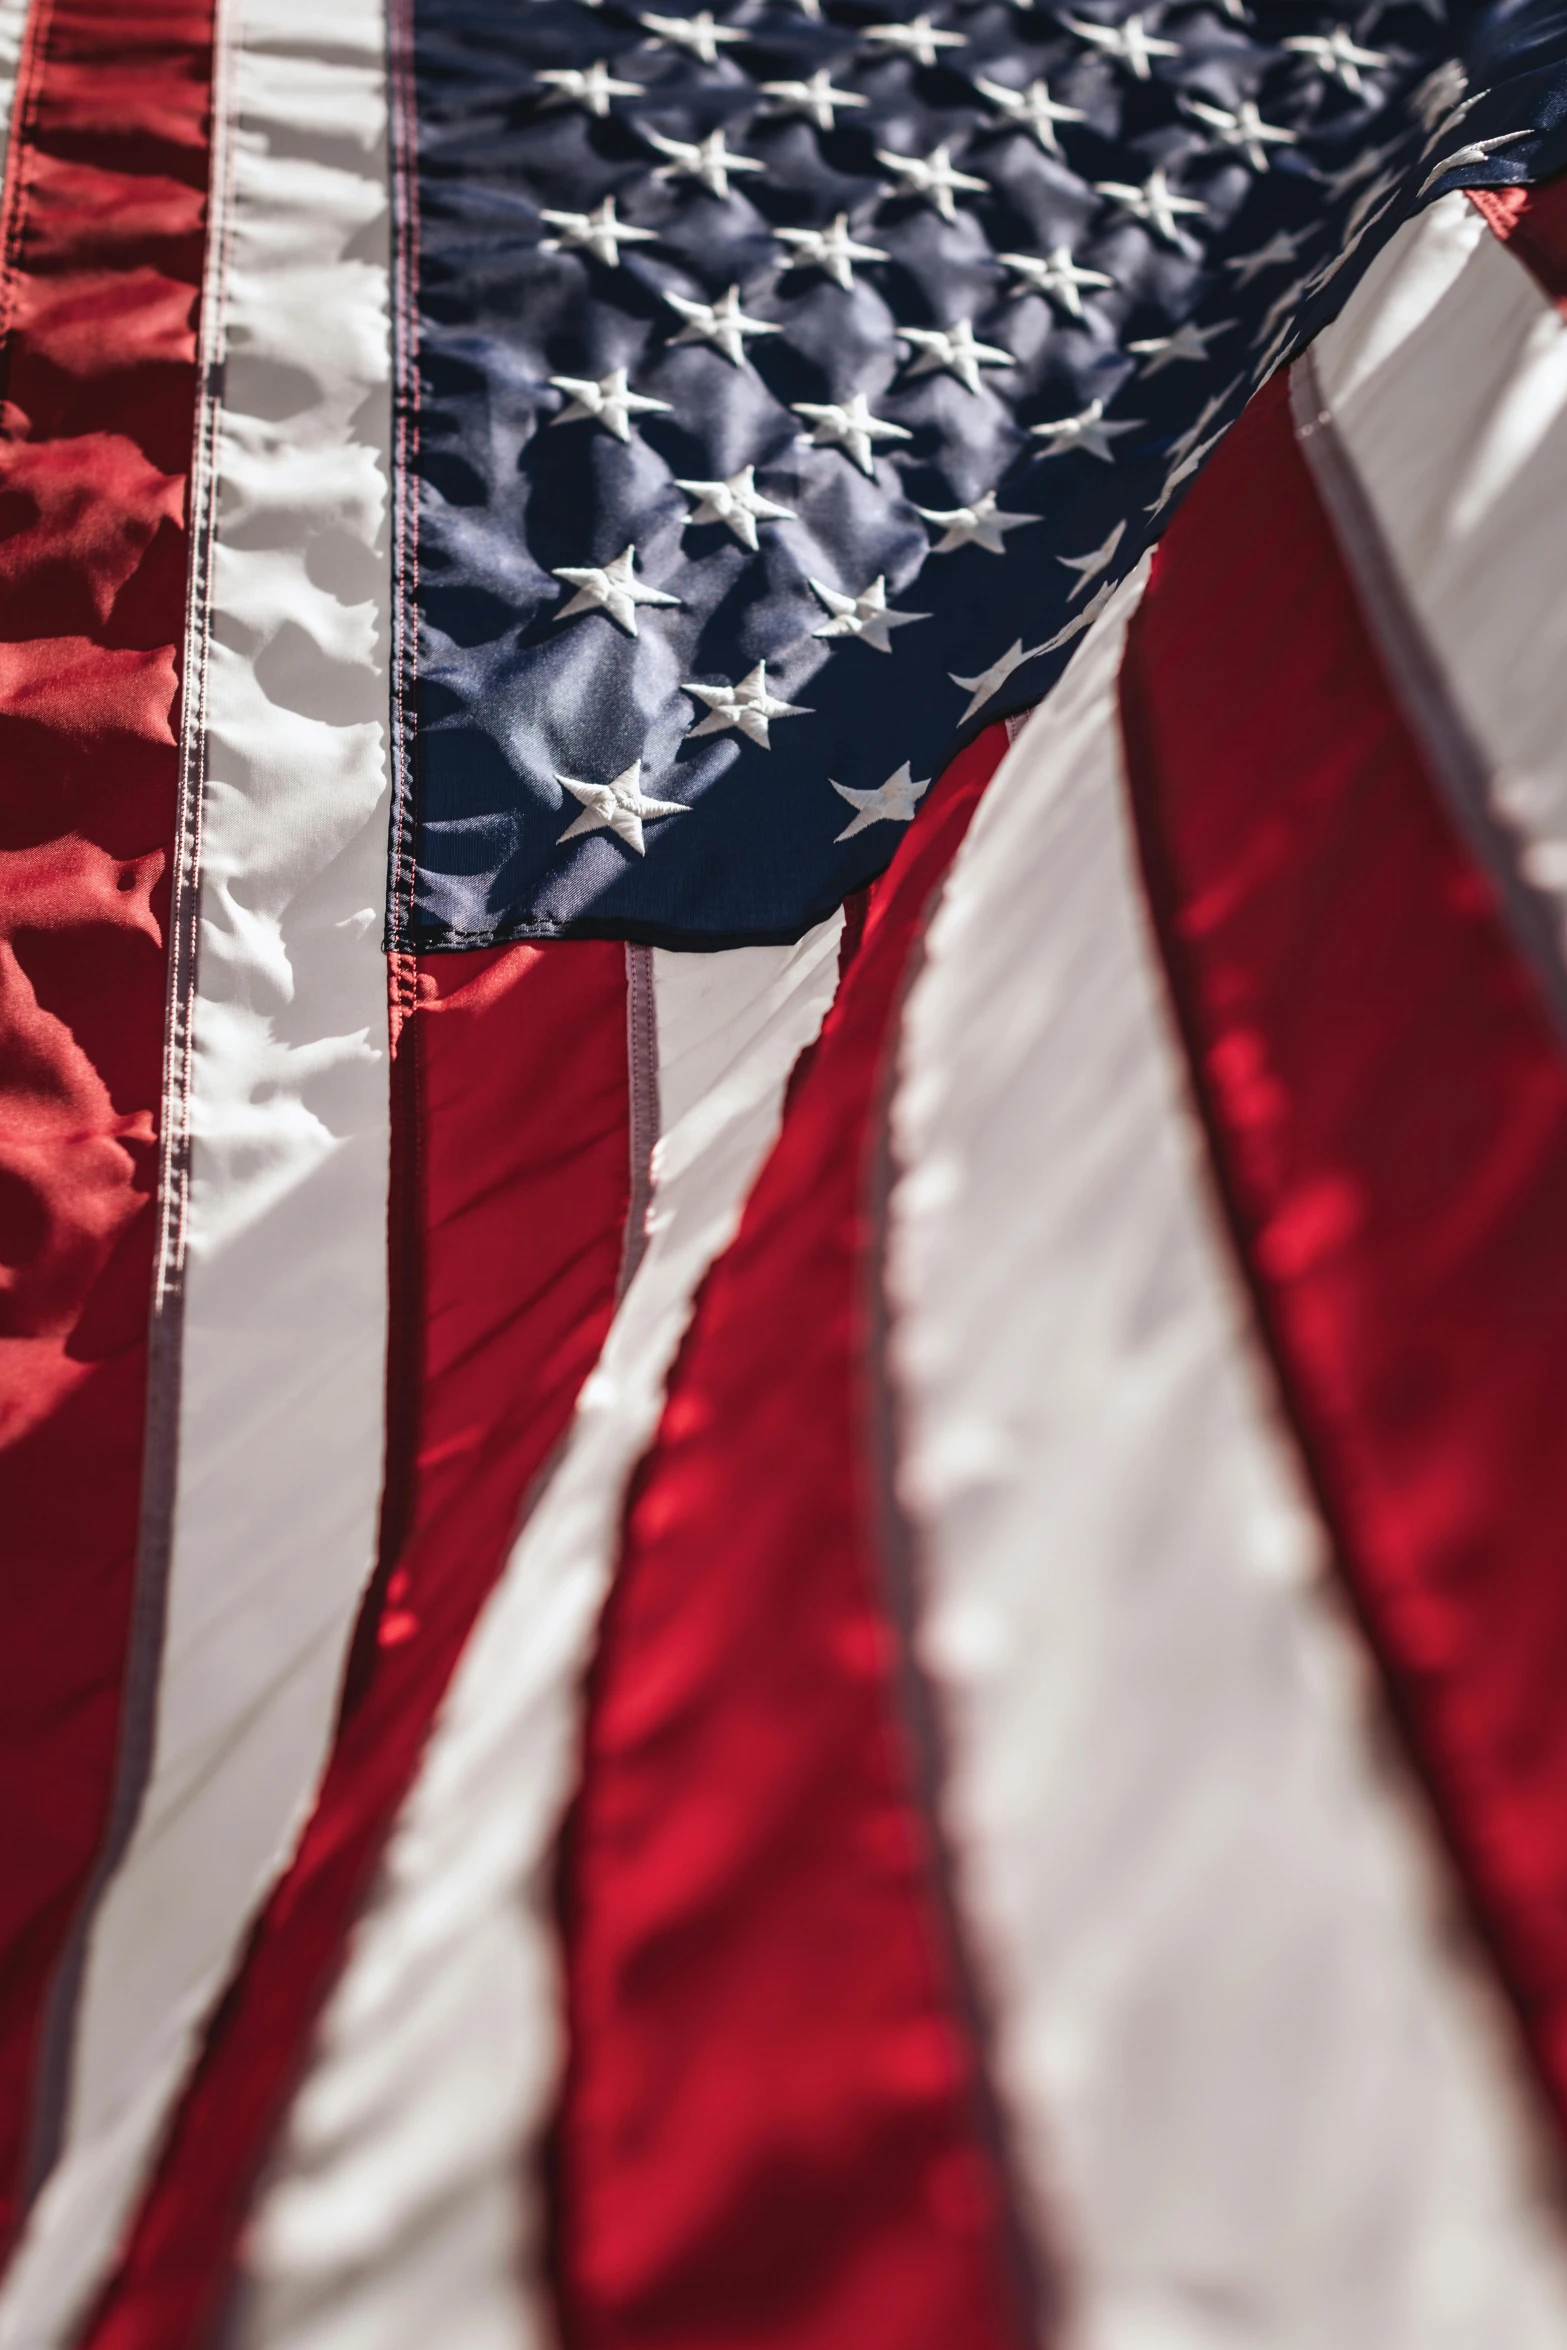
(1056, 275)
(1032, 109)
(1154, 202)
(1337, 55)
(610, 588)
(1187, 342)
(702, 34)
(1244, 130)
(933, 175)
(722, 323)
(979, 525)
(832, 250)
(591, 86)
(954, 351)
(1088, 432)
(1131, 44)
(1210, 410)
(1091, 565)
(1282, 246)
(1183, 469)
(1463, 158)
(607, 402)
(736, 502)
(598, 232)
(1359, 167)
(1439, 93)
(748, 707)
(919, 38)
(893, 802)
(621, 807)
(707, 160)
(865, 616)
(850, 426)
(816, 97)
(1281, 309)
(1079, 620)
(985, 687)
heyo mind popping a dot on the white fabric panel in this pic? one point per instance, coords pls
(1257, 2099)
(399, 2211)
(285, 1306)
(13, 27)
(1446, 378)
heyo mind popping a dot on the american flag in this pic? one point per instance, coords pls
(783, 1175)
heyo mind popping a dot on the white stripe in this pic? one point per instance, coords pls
(1257, 2100)
(401, 2211)
(13, 31)
(285, 1305)
(1446, 379)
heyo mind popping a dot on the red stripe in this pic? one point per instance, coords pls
(1387, 1104)
(1532, 223)
(511, 1121)
(104, 244)
(769, 2130)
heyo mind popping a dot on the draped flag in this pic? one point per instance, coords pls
(783, 1175)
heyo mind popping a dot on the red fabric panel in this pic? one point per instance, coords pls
(95, 434)
(1531, 222)
(1387, 1103)
(511, 1138)
(769, 2133)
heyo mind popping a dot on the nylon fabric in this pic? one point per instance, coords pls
(511, 1143)
(103, 265)
(284, 1309)
(1263, 2090)
(1392, 1144)
(367, 2235)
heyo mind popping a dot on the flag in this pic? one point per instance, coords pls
(784, 1137)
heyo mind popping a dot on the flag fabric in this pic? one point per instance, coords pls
(780, 1480)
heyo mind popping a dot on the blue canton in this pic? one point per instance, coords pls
(790, 381)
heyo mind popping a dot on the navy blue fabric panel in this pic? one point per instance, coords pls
(1041, 324)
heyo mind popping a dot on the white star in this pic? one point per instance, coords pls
(932, 175)
(722, 323)
(1336, 55)
(1210, 410)
(1281, 247)
(1090, 566)
(850, 426)
(598, 232)
(1184, 468)
(865, 616)
(1057, 275)
(610, 588)
(894, 802)
(1088, 432)
(985, 687)
(832, 250)
(1079, 620)
(608, 402)
(736, 502)
(1130, 43)
(1464, 158)
(1244, 130)
(592, 86)
(979, 525)
(953, 349)
(702, 34)
(816, 98)
(1187, 342)
(1439, 93)
(748, 707)
(919, 38)
(1359, 167)
(1282, 308)
(1155, 202)
(1032, 109)
(708, 160)
(620, 807)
